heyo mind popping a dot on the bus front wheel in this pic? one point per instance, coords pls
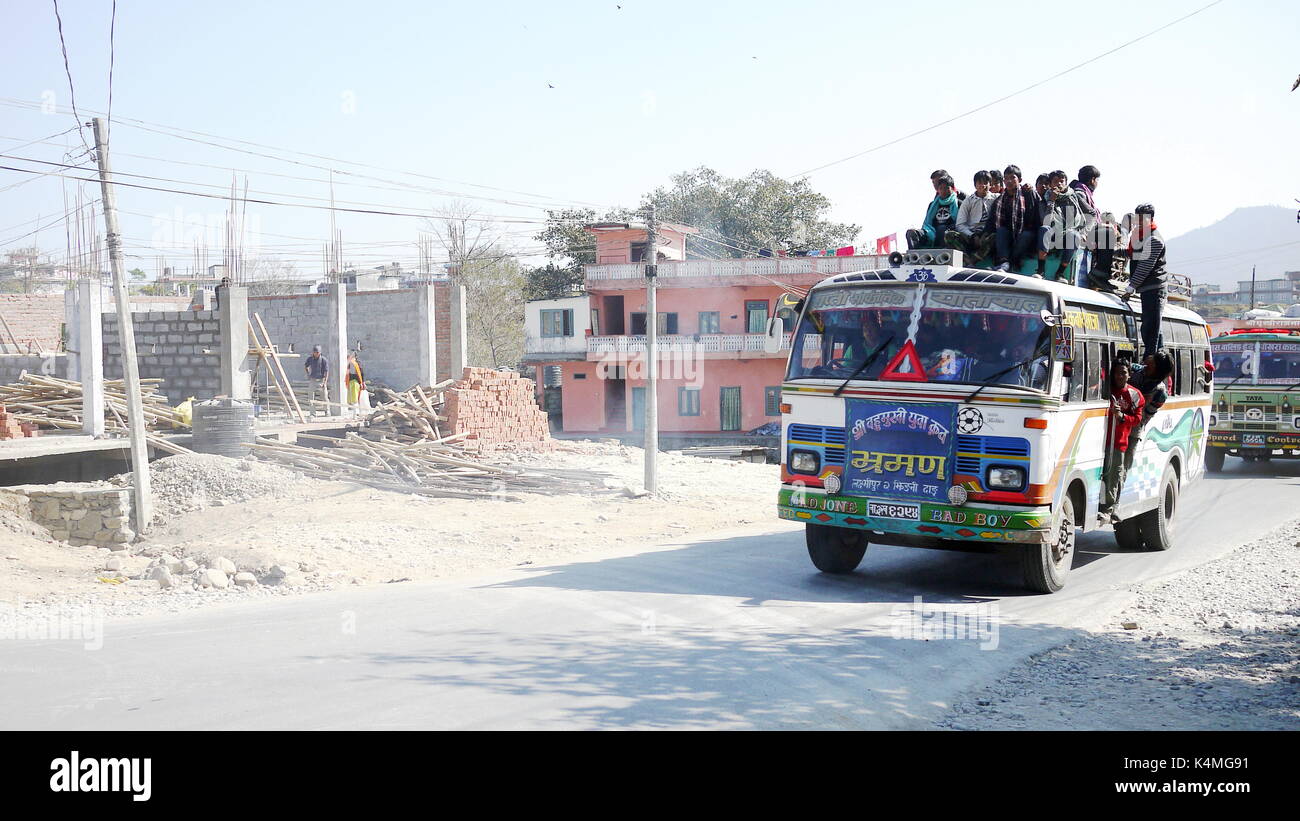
(835, 549)
(1157, 525)
(1045, 565)
(1214, 459)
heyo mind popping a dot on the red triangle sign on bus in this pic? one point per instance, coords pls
(905, 365)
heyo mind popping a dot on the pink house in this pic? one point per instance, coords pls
(714, 375)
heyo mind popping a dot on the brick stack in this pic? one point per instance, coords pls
(11, 428)
(495, 407)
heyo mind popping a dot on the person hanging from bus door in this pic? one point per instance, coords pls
(1147, 274)
(1125, 414)
(1154, 381)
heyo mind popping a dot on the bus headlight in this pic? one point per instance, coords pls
(1006, 478)
(804, 461)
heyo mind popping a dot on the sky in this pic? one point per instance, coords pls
(507, 108)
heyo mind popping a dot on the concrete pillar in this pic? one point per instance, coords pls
(90, 356)
(336, 349)
(236, 365)
(426, 347)
(72, 322)
(459, 334)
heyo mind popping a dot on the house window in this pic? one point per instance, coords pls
(709, 322)
(688, 401)
(557, 323)
(755, 316)
(772, 400)
(553, 376)
(667, 323)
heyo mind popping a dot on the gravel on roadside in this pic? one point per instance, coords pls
(1216, 647)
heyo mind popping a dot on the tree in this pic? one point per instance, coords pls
(739, 216)
(272, 276)
(137, 275)
(568, 248)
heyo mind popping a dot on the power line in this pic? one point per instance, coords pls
(1008, 96)
(72, 91)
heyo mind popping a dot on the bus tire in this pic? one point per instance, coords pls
(1157, 525)
(1128, 535)
(1045, 566)
(1214, 459)
(835, 549)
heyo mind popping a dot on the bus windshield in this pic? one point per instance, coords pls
(1279, 362)
(960, 335)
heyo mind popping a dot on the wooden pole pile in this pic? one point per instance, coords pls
(410, 416)
(56, 403)
(435, 467)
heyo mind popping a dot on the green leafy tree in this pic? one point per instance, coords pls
(739, 216)
(137, 275)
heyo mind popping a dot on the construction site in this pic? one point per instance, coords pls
(256, 489)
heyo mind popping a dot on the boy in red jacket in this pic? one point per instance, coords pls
(1125, 414)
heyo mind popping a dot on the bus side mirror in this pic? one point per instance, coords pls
(772, 339)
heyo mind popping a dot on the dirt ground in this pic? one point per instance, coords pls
(262, 517)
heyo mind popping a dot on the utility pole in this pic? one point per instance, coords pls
(1252, 287)
(134, 406)
(652, 356)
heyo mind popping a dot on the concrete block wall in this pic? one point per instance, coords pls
(52, 364)
(383, 328)
(170, 345)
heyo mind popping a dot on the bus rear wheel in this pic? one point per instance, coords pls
(835, 549)
(1046, 565)
(1157, 525)
(1128, 535)
(1214, 459)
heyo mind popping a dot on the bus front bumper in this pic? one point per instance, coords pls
(984, 525)
(1254, 440)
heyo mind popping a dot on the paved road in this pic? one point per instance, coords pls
(735, 632)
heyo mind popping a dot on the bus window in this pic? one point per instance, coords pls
(1183, 373)
(1279, 361)
(1182, 334)
(1199, 335)
(1094, 370)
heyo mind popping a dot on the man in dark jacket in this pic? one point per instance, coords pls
(1153, 381)
(317, 368)
(1083, 189)
(1147, 274)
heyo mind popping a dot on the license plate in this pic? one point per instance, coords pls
(1252, 440)
(893, 510)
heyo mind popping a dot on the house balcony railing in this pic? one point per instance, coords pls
(684, 343)
(760, 266)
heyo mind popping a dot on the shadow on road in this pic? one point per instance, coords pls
(690, 676)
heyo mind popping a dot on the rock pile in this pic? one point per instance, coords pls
(491, 407)
(195, 481)
(219, 573)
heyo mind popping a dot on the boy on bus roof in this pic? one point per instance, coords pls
(970, 236)
(1126, 405)
(1062, 220)
(1014, 218)
(934, 180)
(995, 181)
(940, 217)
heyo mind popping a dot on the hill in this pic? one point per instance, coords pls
(1267, 236)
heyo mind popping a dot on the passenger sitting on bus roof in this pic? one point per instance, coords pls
(1062, 220)
(1013, 220)
(1147, 273)
(934, 180)
(939, 217)
(1125, 413)
(995, 181)
(1040, 186)
(970, 236)
(1153, 380)
(1102, 240)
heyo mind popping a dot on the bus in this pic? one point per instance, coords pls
(1257, 371)
(935, 405)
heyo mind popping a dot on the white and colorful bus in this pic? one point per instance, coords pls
(935, 405)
